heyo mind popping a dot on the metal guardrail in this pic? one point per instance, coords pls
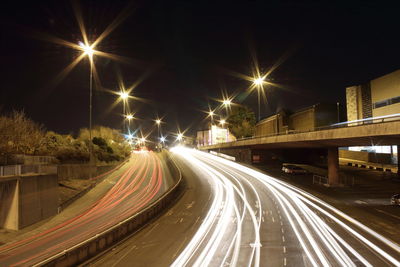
(319, 179)
(374, 120)
(101, 241)
(17, 170)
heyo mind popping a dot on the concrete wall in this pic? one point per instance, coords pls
(366, 156)
(267, 126)
(9, 203)
(38, 198)
(383, 88)
(240, 154)
(81, 171)
(26, 200)
(303, 120)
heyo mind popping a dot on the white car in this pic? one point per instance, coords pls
(293, 169)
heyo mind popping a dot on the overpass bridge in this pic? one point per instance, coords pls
(371, 132)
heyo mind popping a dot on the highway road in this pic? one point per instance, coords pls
(234, 215)
(140, 182)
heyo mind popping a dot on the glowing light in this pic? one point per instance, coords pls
(211, 113)
(179, 137)
(222, 122)
(258, 81)
(162, 139)
(227, 102)
(87, 49)
(158, 121)
(123, 95)
(143, 139)
(129, 116)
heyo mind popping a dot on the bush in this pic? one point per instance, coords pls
(70, 155)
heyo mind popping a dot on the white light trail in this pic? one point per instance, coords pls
(234, 186)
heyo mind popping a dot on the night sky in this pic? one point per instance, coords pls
(182, 52)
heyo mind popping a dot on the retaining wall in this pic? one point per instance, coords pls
(81, 171)
(25, 200)
(366, 156)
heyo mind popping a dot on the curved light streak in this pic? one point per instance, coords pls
(323, 244)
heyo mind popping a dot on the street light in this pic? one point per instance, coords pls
(124, 95)
(211, 114)
(158, 122)
(179, 137)
(89, 51)
(162, 139)
(222, 122)
(227, 102)
(258, 82)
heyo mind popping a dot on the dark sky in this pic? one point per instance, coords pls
(182, 51)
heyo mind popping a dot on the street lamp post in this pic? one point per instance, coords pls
(158, 122)
(258, 83)
(338, 114)
(124, 96)
(211, 114)
(89, 51)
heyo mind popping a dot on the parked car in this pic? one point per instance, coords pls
(293, 169)
(395, 200)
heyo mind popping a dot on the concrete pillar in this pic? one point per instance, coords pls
(398, 161)
(333, 165)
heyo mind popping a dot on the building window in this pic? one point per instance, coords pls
(395, 100)
(387, 102)
(380, 104)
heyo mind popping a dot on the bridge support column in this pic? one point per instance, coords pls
(398, 161)
(333, 165)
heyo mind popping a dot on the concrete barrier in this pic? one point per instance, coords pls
(27, 199)
(91, 247)
(82, 171)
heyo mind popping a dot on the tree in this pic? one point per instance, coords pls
(242, 122)
(19, 134)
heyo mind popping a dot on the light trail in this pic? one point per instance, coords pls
(341, 241)
(216, 233)
(136, 187)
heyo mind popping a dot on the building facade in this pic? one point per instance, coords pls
(377, 98)
(213, 136)
(307, 119)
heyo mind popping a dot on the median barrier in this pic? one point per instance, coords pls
(98, 243)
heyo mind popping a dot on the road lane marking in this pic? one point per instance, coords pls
(384, 212)
(284, 249)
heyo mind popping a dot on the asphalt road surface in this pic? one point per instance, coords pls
(141, 181)
(232, 215)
